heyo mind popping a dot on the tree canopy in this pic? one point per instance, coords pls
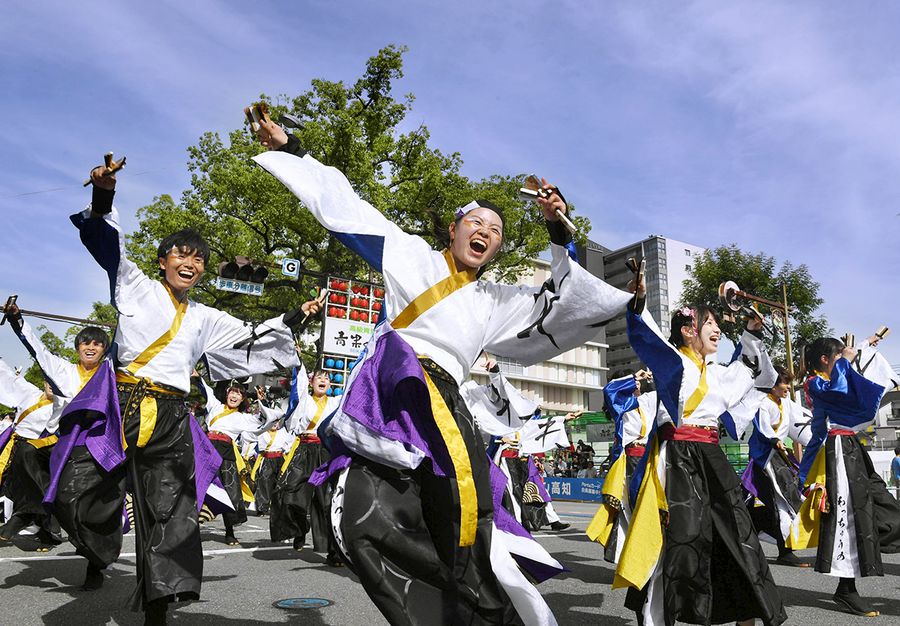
(759, 275)
(358, 128)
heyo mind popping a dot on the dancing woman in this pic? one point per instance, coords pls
(412, 495)
(848, 513)
(705, 564)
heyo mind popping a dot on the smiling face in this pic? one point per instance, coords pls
(476, 238)
(233, 398)
(183, 269)
(320, 384)
(704, 341)
(90, 353)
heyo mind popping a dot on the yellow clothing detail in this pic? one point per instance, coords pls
(805, 529)
(462, 466)
(434, 294)
(601, 526)
(320, 408)
(644, 542)
(260, 457)
(702, 388)
(157, 346)
(219, 416)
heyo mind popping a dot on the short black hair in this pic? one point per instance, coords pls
(896, 450)
(92, 333)
(187, 240)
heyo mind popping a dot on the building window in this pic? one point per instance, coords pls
(510, 366)
(687, 252)
(687, 268)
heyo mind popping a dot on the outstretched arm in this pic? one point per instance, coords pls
(57, 371)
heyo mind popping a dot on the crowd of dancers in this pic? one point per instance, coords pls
(417, 470)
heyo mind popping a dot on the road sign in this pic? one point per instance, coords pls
(239, 286)
(290, 267)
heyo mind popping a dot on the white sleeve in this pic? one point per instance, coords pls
(236, 349)
(768, 413)
(871, 363)
(533, 324)
(328, 196)
(15, 391)
(213, 405)
(103, 238)
(58, 371)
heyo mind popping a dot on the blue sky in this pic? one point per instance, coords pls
(771, 125)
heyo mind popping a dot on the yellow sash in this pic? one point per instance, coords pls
(320, 408)
(6, 453)
(702, 388)
(227, 411)
(462, 466)
(601, 526)
(777, 401)
(246, 492)
(260, 457)
(644, 541)
(148, 405)
(805, 528)
(433, 294)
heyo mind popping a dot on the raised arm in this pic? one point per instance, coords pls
(98, 226)
(532, 324)
(15, 391)
(57, 371)
(327, 194)
(233, 348)
(212, 403)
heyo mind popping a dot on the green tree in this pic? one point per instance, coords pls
(759, 275)
(241, 210)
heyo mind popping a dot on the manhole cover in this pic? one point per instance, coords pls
(293, 604)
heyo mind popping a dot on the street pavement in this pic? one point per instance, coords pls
(240, 585)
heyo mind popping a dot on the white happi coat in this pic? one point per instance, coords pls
(530, 324)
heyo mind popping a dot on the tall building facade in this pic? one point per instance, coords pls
(668, 264)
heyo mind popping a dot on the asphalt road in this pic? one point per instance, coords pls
(241, 584)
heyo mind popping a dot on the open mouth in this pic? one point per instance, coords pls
(478, 246)
(186, 275)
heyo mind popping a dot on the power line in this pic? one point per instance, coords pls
(54, 189)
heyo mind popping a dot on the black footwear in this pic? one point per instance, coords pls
(231, 540)
(789, 559)
(298, 543)
(155, 612)
(559, 526)
(333, 560)
(93, 578)
(851, 601)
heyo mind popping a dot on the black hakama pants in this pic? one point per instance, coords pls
(876, 514)
(714, 570)
(231, 482)
(24, 482)
(266, 476)
(400, 529)
(299, 506)
(160, 476)
(766, 518)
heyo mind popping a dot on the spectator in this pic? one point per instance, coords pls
(895, 468)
